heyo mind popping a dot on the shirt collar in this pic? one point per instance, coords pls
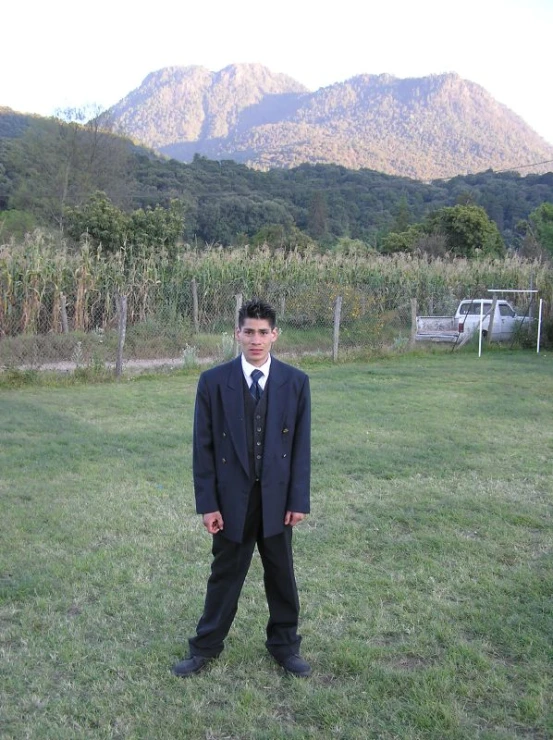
(247, 370)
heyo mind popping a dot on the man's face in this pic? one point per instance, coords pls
(256, 337)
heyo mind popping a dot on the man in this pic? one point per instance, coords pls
(251, 467)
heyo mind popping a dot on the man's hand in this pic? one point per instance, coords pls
(292, 518)
(213, 522)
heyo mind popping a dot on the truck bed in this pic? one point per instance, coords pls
(444, 329)
(436, 323)
(448, 337)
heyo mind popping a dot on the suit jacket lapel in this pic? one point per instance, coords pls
(233, 404)
(274, 422)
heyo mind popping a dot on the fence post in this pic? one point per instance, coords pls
(122, 311)
(63, 310)
(337, 315)
(413, 322)
(195, 306)
(239, 300)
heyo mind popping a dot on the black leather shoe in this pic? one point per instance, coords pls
(295, 665)
(189, 666)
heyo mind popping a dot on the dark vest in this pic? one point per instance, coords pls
(255, 415)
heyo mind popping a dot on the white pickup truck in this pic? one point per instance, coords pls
(459, 328)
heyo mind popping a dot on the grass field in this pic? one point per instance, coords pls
(425, 570)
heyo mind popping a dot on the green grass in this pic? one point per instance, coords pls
(425, 569)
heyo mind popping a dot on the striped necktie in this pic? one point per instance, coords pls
(255, 388)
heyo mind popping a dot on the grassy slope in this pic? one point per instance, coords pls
(425, 570)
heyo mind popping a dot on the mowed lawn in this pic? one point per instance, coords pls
(425, 569)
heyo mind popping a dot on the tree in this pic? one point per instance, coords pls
(15, 224)
(402, 216)
(461, 230)
(61, 163)
(105, 224)
(468, 230)
(5, 183)
(112, 229)
(157, 227)
(317, 218)
(541, 220)
(465, 198)
(352, 247)
(401, 241)
(279, 236)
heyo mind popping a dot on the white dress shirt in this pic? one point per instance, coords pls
(247, 370)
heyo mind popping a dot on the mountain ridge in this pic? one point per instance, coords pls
(213, 101)
(429, 127)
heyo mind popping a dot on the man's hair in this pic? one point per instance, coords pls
(256, 309)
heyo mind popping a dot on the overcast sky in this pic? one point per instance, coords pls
(60, 54)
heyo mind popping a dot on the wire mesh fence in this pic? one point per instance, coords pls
(63, 308)
(199, 328)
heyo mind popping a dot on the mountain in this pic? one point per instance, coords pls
(425, 128)
(192, 104)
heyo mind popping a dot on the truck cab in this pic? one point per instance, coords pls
(505, 321)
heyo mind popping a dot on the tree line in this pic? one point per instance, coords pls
(75, 177)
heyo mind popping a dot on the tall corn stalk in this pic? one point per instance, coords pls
(305, 283)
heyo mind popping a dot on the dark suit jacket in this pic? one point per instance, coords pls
(221, 467)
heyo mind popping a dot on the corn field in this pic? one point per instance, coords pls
(60, 296)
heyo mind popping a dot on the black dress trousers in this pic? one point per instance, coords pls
(231, 562)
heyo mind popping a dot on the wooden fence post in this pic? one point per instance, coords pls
(195, 306)
(63, 310)
(239, 299)
(413, 322)
(122, 311)
(337, 315)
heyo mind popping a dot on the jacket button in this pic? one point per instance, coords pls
(284, 455)
(259, 457)
(285, 431)
(258, 429)
(224, 434)
(224, 460)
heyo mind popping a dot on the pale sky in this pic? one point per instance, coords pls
(63, 53)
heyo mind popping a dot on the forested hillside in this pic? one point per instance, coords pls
(12, 123)
(425, 128)
(47, 166)
(328, 202)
